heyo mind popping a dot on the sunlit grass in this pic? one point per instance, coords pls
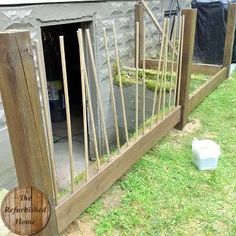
(164, 194)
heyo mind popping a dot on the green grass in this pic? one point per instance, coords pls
(164, 194)
(197, 80)
(128, 78)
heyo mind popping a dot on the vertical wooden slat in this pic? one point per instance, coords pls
(172, 68)
(22, 107)
(113, 100)
(160, 99)
(85, 126)
(178, 75)
(137, 61)
(43, 84)
(68, 116)
(100, 104)
(165, 69)
(155, 21)
(188, 46)
(90, 108)
(139, 17)
(121, 86)
(158, 74)
(230, 34)
(144, 78)
(181, 58)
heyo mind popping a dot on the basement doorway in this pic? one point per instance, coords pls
(52, 57)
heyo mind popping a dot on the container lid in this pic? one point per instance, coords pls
(206, 148)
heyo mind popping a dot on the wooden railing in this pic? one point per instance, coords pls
(32, 142)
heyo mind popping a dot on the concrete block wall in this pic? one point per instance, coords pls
(102, 14)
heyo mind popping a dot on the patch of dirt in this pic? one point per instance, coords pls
(85, 226)
(112, 199)
(192, 126)
(211, 135)
(80, 227)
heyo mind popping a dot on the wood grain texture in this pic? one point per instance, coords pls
(48, 124)
(203, 91)
(22, 107)
(25, 210)
(139, 17)
(70, 209)
(230, 34)
(188, 46)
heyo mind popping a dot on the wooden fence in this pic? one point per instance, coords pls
(218, 73)
(30, 128)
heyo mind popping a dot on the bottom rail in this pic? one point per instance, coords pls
(73, 206)
(203, 91)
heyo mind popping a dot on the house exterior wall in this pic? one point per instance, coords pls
(102, 14)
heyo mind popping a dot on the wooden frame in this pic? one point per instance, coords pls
(197, 68)
(218, 73)
(24, 117)
(26, 129)
(203, 91)
(102, 181)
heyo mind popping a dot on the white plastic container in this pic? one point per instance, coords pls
(205, 154)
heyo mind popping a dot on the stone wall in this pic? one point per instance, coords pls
(102, 14)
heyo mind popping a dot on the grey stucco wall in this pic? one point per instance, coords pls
(102, 14)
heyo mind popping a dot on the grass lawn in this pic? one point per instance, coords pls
(164, 194)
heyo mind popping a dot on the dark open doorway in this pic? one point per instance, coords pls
(52, 57)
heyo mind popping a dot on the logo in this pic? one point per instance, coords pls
(25, 210)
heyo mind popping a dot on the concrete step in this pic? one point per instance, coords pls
(8, 178)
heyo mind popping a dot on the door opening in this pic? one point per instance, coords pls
(52, 57)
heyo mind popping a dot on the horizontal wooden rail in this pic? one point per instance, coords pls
(72, 207)
(203, 91)
(197, 68)
(207, 69)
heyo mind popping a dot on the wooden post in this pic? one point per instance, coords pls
(22, 107)
(185, 76)
(229, 39)
(139, 17)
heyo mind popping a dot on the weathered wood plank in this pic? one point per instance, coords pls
(70, 209)
(22, 107)
(197, 68)
(188, 46)
(139, 17)
(230, 33)
(203, 91)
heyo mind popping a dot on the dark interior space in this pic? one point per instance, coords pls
(50, 37)
(52, 57)
(51, 46)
